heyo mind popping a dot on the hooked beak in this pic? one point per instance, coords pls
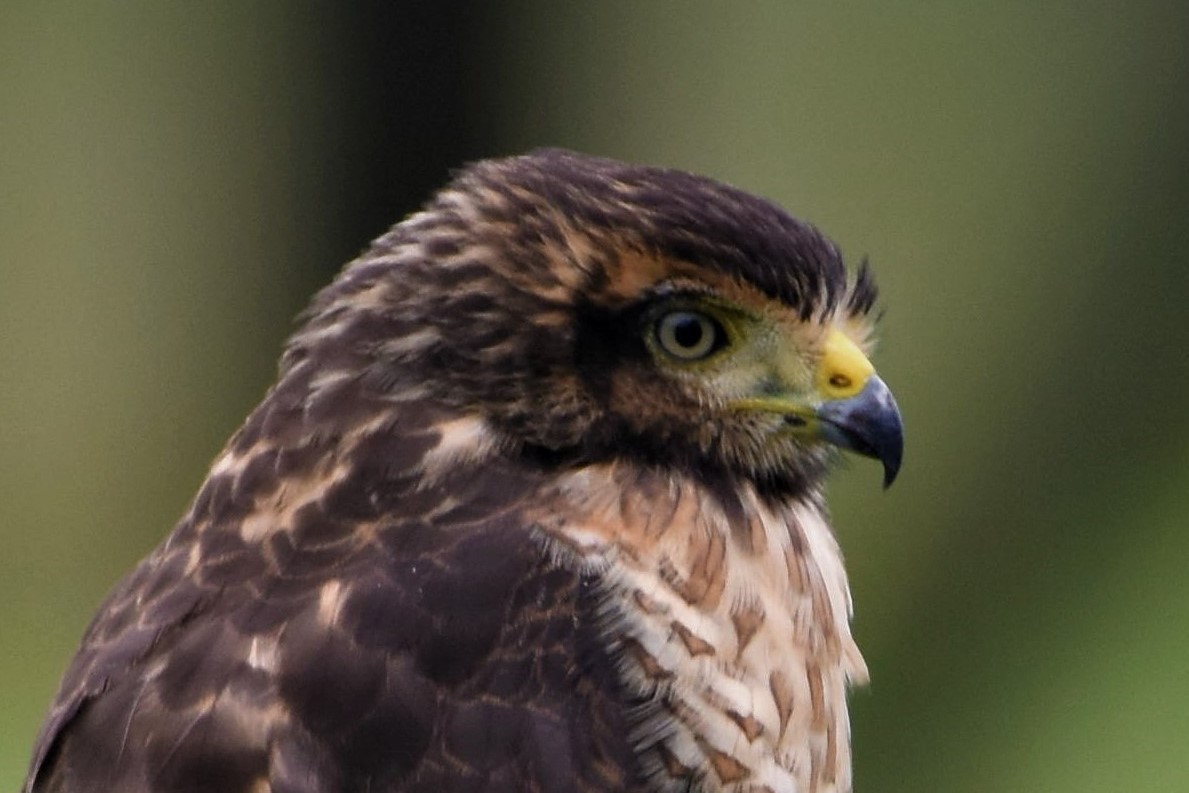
(852, 408)
(868, 424)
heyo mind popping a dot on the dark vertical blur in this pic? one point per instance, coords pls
(403, 81)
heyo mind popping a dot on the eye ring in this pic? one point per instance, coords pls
(689, 335)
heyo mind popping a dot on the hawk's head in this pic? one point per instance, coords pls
(586, 309)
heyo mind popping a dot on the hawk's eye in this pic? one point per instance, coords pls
(689, 335)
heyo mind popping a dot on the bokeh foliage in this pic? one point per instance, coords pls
(176, 180)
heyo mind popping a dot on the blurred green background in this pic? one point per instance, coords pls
(177, 178)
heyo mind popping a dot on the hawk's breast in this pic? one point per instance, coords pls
(732, 618)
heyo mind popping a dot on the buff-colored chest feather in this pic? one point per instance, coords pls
(737, 627)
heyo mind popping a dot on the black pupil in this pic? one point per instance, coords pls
(688, 332)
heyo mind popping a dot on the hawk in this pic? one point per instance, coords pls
(535, 504)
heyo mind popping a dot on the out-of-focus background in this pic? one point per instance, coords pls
(176, 179)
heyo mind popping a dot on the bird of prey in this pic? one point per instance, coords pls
(535, 504)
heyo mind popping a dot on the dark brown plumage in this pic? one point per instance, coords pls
(534, 505)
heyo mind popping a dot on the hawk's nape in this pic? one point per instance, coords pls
(534, 505)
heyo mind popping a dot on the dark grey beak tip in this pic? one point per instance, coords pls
(891, 467)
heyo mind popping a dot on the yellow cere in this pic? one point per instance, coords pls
(844, 369)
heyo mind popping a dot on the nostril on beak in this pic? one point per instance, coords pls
(843, 369)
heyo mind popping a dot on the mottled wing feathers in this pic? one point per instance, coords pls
(363, 634)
